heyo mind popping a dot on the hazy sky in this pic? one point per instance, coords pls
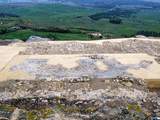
(66, 0)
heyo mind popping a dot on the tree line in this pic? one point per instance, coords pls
(149, 33)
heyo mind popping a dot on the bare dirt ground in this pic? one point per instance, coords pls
(63, 67)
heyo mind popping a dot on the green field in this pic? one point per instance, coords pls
(25, 34)
(74, 19)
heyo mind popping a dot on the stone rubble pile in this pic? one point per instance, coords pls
(128, 46)
(124, 98)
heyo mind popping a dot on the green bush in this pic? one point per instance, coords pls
(3, 30)
(115, 20)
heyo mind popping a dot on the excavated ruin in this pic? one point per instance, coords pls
(115, 79)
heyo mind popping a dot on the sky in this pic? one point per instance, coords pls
(46, 0)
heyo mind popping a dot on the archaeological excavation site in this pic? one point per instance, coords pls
(115, 79)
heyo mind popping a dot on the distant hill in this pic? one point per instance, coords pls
(79, 1)
(91, 3)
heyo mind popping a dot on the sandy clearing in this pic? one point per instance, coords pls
(7, 74)
(67, 61)
(132, 58)
(152, 72)
(101, 66)
(7, 53)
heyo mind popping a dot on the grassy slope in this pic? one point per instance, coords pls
(49, 14)
(66, 16)
(24, 34)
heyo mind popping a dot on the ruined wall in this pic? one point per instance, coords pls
(126, 46)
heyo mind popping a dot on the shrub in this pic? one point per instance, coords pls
(115, 20)
(3, 30)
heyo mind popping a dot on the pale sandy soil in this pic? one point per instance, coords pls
(100, 42)
(71, 61)
(7, 53)
(104, 40)
(9, 58)
(101, 66)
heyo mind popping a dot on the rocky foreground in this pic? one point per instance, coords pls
(35, 87)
